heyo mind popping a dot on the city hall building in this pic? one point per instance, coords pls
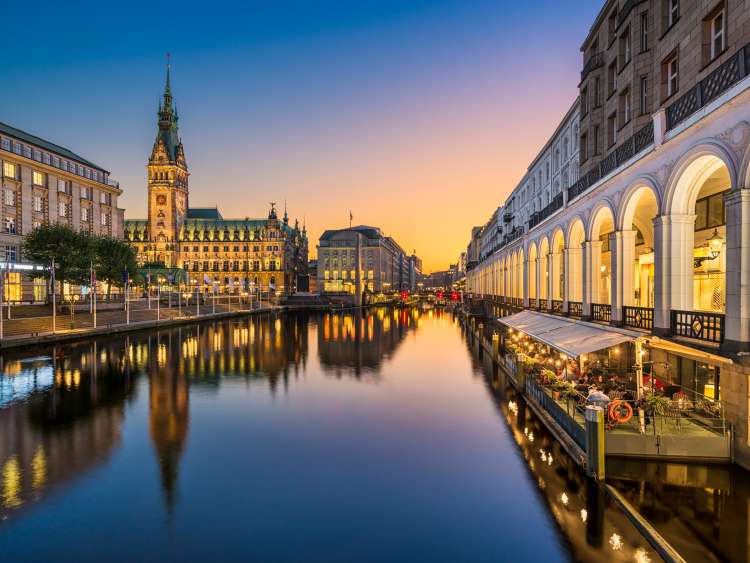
(44, 183)
(652, 229)
(231, 255)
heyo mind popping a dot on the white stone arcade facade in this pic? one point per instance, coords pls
(662, 242)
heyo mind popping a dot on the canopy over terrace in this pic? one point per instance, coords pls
(569, 336)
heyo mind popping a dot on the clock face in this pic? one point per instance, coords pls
(161, 199)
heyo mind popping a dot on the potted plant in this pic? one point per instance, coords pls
(657, 403)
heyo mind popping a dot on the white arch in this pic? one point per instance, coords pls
(690, 173)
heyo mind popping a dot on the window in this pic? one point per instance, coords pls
(105, 198)
(612, 25)
(38, 204)
(597, 92)
(644, 31)
(625, 106)
(84, 214)
(596, 140)
(62, 186)
(10, 170)
(584, 147)
(625, 47)
(714, 34)
(644, 95)
(11, 253)
(62, 209)
(612, 129)
(612, 78)
(10, 225)
(709, 212)
(85, 193)
(585, 100)
(9, 198)
(39, 178)
(670, 68)
(673, 12)
(105, 219)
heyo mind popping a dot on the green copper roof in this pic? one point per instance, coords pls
(204, 213)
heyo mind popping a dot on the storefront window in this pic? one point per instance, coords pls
(40, 289)
(12, 291)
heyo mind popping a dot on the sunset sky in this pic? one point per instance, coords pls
(419, 116)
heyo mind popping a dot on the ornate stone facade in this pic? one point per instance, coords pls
(233, 255)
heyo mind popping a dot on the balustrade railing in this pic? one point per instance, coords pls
(700, 325)
(638, 317)
(575, 309)
(712, 86)
(595, 61)
(601, 312)
(557, 307)
(618, 156)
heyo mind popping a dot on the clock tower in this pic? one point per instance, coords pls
(167, 182)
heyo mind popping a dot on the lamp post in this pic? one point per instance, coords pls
(54, 299)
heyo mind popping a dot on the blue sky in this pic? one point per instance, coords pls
(412, 114)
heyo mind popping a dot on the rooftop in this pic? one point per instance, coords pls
(46, 145)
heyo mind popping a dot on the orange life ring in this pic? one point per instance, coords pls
(620, 411)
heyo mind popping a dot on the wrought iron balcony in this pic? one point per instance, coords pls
(700, 325)
(712, 86)
(595, 61)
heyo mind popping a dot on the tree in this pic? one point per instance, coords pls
(71, 251)
(112, 258)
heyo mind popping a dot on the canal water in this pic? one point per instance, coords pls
(385, 436)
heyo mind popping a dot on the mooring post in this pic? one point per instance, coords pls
(595, 441)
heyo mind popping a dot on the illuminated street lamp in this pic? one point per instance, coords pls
(713, 249)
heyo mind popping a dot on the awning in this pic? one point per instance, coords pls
(691, 353)
(569, 336)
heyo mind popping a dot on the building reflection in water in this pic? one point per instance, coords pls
(357, 343)
(62, 409)
(60, 414)
(701, 510)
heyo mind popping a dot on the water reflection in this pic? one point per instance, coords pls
(62, 409)
(357, 344)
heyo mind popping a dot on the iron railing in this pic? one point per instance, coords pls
(557, 307)
(564, 417)
(617, 157)
(595, 61)
(638, 317)
(601, 312)
(575, 309)
(712, 86)
(700, 325)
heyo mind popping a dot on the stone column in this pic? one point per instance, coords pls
(622, 244)
(526, 278)
(673, 268)
(555, 272)
(737, 280)
(566, 280)
(550, 278)
(574, 274)
(538, 276)
(592, 259)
